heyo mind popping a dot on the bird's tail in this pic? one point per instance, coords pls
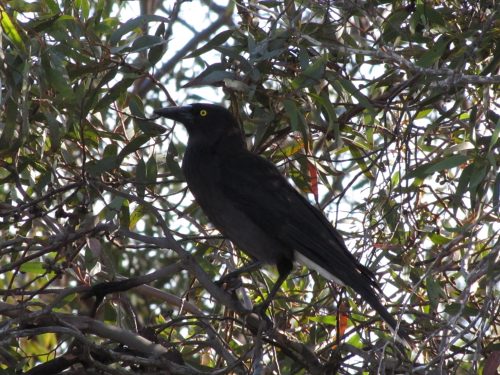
(373, 300)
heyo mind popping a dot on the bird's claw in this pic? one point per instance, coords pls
(260, 310)
(229, 282)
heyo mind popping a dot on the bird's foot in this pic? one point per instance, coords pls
(260, 310)
(233, 279)
(229, 282)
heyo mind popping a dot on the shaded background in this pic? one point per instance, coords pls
(384, 113)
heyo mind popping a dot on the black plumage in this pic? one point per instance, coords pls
(251, 203)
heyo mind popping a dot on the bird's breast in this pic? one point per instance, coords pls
(202, 172)
(204, 178)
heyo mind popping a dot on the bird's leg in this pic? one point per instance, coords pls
(284, 266)
(262, 307)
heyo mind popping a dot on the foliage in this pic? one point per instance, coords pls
(384, 112)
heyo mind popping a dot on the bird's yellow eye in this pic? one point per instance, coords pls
(203, 113)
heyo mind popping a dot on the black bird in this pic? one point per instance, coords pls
(252, 204)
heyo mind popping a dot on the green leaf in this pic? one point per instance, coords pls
(494, 137)
(172, 164)
(478, 174)
(325, 319)
(359, 157)
(41, 182)
(57, 76)
(132, 146)
(84, 7)
(135, 23)
(457, 308)
(125, 214)
(156, 52)
(110, 75)
(110, 150)
(140, 177)
(56, 131)
(137, 215)
(360, 97)
(270, 3)
(293, 114)
(464, 116)
(37, 268)
(433, 54)
(8, 131)
(151, 171)
(96, 168)
(146, 42)
(392, 25)
(333, 124)
(147, 126)
(463, 184)
(215, 73)
(113, 208)
(312, 74)
(428, 169)
(117, 90)
(433, 292)
(439, 239)
(423, 113)
(214, 42)
(495, 200)
(297, 121)
(395, 178)
(10, 30)
(294, 146)
(53, 6)
(43, 23)
(135, 105)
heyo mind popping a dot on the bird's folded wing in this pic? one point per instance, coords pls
(256, 188)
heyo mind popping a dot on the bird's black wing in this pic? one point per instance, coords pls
(257, 188)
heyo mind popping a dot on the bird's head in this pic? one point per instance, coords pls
(207, 123)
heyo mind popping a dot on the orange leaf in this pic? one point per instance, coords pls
(313, 178)
(343, 318)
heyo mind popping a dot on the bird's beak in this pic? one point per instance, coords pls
(182, 114)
